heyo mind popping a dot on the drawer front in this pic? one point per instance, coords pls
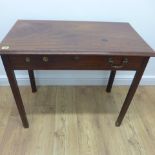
(77, 62)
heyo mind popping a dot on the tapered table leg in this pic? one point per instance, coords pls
(32, 80)
(131, 93)
(111, 80)
(15, 90)
(17, 96)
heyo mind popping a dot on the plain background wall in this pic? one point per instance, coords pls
(139, 13)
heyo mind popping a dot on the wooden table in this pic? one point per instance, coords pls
(65, 45)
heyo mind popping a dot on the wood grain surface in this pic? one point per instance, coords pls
(70, 37)
(77, 121)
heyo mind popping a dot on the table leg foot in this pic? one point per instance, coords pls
(117, 124)
(26, 124)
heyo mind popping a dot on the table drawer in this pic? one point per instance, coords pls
(79, 62)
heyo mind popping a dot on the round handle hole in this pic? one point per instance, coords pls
(45, 59)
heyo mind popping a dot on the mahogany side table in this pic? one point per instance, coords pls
(67, 45)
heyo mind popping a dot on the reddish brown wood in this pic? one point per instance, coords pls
(111, 80)
(79, 62)
(43, 45)
(15, 91)
(32, 80)
(131, 92)
(68, 37)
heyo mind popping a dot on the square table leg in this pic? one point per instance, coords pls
(32, 80)
(131, 92)
(16, 93)
(111, 80)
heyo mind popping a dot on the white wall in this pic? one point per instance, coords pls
(140, 13)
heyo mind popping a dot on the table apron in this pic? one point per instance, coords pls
(73, 62)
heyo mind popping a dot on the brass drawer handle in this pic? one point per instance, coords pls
(27, 59)
(115, 66)
(45, 59)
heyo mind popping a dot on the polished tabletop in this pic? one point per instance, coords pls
(74, 37)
